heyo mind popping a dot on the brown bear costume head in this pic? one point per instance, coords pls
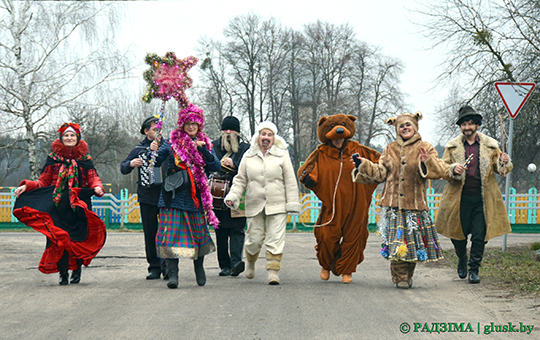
(335, 127)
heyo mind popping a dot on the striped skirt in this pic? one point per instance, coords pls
(408, 235)
(183, 234)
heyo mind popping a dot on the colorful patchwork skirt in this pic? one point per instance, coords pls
(408, 235)
(183, 234)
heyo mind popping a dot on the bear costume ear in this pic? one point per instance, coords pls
(391, 121)
(418, 115)
(351, 117)
(322, 120)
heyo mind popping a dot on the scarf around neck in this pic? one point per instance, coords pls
(186, 149)
(69, 159)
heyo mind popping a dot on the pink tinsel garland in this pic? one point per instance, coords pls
(168, 80)
(185, 148)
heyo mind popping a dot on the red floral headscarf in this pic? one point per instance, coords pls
(74, 126)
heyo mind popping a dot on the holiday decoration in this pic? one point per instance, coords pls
(167, 78)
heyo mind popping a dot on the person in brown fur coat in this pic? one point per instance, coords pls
(341, 230)
(405, 227)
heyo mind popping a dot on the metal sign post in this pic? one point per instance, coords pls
(508, 178)
(514, 96)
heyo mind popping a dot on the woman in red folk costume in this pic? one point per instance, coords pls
(58, 205)
(186, 211)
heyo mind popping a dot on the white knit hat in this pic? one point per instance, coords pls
(278, 141)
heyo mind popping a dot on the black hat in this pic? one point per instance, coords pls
(148, 123)
(230, 123)
(467, 111)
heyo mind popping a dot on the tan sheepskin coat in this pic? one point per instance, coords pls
(448, 218)
(405, 175)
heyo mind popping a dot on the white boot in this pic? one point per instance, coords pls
(250, 270)
(273, 265)
(273, 278)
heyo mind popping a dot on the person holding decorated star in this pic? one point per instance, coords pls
(186, 211)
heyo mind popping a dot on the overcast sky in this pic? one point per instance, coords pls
(161, 26)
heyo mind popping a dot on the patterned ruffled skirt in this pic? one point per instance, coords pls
(183, 234)
(408, 235)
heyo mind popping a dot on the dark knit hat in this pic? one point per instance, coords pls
(230, 123)
(148, 123)
(467, 112)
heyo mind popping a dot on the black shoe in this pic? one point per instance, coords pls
(165, 275)
(75, 276)
(173, 282)
(64, 279)
(225, 272)
(462, 268)
(63, 269)
(153, 276)
(473, 277)
(199, 271)
(238, 268)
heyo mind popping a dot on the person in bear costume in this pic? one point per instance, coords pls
(341, 229)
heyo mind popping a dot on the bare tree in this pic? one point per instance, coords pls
(276, 42)
(386, 98)
(486, 42)
(314, 85)
(296, 84)
(52, 56)
(263, 70)
(10, 158)
(215, 94)
(359, 83)
(243, 52)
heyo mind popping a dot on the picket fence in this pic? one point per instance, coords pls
(122, 210)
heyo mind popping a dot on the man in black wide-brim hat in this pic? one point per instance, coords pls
(472, 202)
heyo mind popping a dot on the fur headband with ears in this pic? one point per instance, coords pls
(412, 118)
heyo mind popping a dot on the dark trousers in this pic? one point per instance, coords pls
(236, 236)
(473, 223)
(149, 216)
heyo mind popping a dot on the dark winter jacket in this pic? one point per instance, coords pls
(236, 157)
(183, 199)
(147, 195)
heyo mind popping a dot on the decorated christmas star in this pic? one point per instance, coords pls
(168, 78)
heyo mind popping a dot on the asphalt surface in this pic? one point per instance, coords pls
(115, 301)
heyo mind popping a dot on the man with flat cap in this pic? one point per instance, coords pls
(148, 195)
(230, 235)
(472, 202)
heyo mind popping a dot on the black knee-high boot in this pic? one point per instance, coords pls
(63, 269)
(164, 271)
(477, 253)
(172, 267)
(460, 247)
(199, 271)
(76, 274)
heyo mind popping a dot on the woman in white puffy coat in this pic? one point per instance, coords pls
(267, 175)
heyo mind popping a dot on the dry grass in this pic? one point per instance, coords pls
(515, 270)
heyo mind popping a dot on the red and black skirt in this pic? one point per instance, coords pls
(70, 226)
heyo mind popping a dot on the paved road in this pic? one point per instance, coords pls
(114, 301)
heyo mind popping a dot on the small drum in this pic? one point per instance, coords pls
(220, 185)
